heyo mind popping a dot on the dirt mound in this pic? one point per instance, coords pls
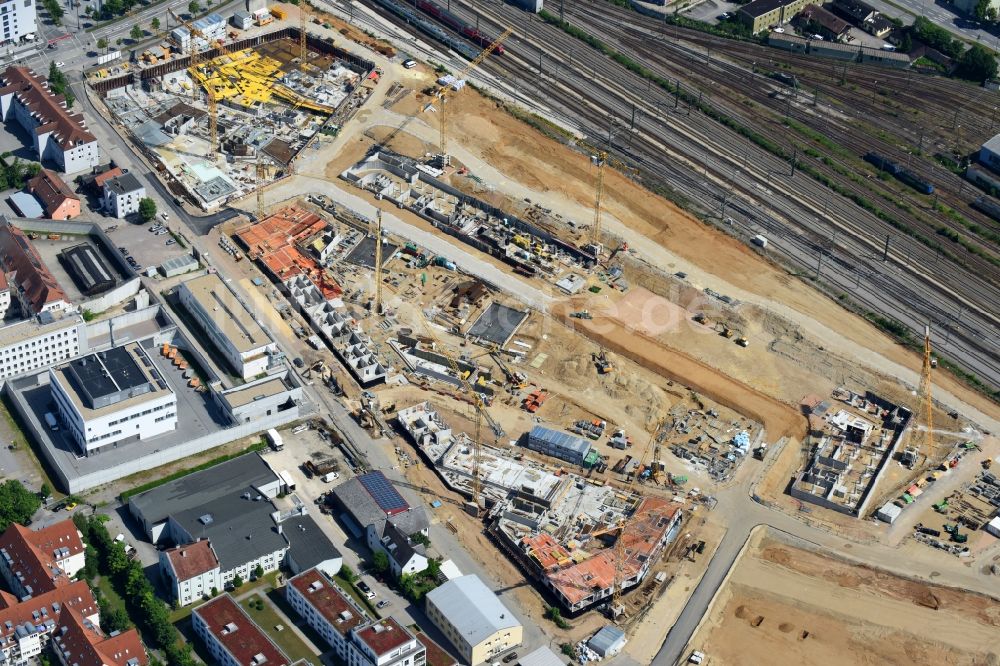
(924, 597)
(786, 627)
(742, 612)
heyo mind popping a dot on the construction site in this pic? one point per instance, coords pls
(221, 114)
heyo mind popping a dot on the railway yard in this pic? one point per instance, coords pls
(688, 413)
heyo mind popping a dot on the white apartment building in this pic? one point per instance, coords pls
(192, 571)
(113, 397)
(232, 638)
(385, 643)
(122, 195)
(59, 134)
(31, 345)
(18, 20)
(233, 330)
(328, 610)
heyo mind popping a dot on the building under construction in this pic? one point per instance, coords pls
(851, 448)
(560, 528)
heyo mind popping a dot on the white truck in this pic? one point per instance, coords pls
(332, 476)
(274, 440)
(760, 241)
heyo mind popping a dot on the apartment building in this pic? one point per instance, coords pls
(33, 344)
(385, 643)
(17, 19)
(30, 280)
(326, 608)
(192, 571)
(36, 561)
(232, 638)
(122, 195)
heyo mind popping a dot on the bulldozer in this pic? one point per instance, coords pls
(604, 366)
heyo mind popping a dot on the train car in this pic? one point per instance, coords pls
(989, 206)
(882, 163)
(458, 25)
(903, 175)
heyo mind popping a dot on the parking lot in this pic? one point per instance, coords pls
(145, 246)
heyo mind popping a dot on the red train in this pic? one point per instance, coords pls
(447, 18)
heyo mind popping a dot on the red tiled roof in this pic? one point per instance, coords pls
(33, 554)
(50, 190)
(328, 601)
(102, 178)
(69, 129)
(384, 636)
(544, 549)
(31, 275)
(234, 629)
(84, 644)
(193, 559)
(47, 607)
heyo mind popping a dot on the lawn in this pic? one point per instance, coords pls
(108, 592)
(267, 620)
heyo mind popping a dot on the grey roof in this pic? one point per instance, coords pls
(561, 440)
(184, 262)
(543, 656)
(355, 499)
(151, 133)
(607, 641)
(404, 548)
(993, 145)
(123, 184)
(308, 545)
(761, 7)
(202, 488)
(240, 14)
(27, 205)
(472, 608)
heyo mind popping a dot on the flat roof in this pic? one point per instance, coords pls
(562, 440)
(244, 395)
(111, 380)
(760, 7)
(220, 304)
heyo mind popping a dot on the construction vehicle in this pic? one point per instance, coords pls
(727, 332)
(582, 314)
(700, 318)
(987, 463)
(604, 366)
(742, 341)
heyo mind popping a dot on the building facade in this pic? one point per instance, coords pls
(58, 134)
(30, 280)
(18, 19)
(58, 200)
(30, 345)
(762, 14)
(325, 608)
(247, 348)
(192, 571)
(473, 619)
(122, 195)
(232, 638)
(385, 643)
(113, 397)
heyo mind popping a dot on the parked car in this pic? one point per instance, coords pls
(299, 363)
(365, 590)
(161, 232)
(510, 657)
(60, 64)
(409, 64)
(382, 604)
(171, 241)
(71, 506)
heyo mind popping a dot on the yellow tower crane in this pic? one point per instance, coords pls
(925, 395)
(378, 262)
(442, 92)
(601, 160)
(620, 553)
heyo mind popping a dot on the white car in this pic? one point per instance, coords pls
(696, 657)
(59, 63)
(409, 64)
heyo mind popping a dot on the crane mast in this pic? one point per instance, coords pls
(925, 394)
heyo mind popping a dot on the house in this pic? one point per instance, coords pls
(474, 619)
(817, 20)
(58, 200)
(762, 14)
(37, 561)
(59, 135)
(122, 195)
(192, 571)
(232, 638)
(79, 641)
(372, 504)
(31, 281)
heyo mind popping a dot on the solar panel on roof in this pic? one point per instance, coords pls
(383, 492)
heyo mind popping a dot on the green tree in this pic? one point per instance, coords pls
(194, 7)
(147, 209)
(90, 569)
(114, 619)
(45, 491)
(117, 560)
(119, 41)
(981, 8)
(906, 42)
(136, 33)
(215, 592)
(237, 581)
(380, 561)
(991, 14)
(347, 573)
(421, 538)
(102, 43)
(258, 571)
(154, 25)
(17, 503)
(977, 64)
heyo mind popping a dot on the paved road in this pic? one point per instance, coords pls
(941, 13)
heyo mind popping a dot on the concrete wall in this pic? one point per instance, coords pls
(110, 299)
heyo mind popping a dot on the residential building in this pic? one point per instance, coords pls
(59, 135)
(232, 638)
(32, 344)
(233, 330)
(387, 521)
(558, 444)
(855, 11)
(326, 608)
(814, 19)
(58, 200)
(18, 19)
(229, 510)
(385, 643)
(36, 561)
(122, 195)
(113, 397)
(34, 285)
(192, 571)
(4, 295)
(762, 14)
(474, 619)
(78, 641)
(26, 626)
(435, 655)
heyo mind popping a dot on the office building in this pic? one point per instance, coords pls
(233, 330)
(113, 397)
(19, 21)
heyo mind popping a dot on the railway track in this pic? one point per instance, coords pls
(585, 89)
